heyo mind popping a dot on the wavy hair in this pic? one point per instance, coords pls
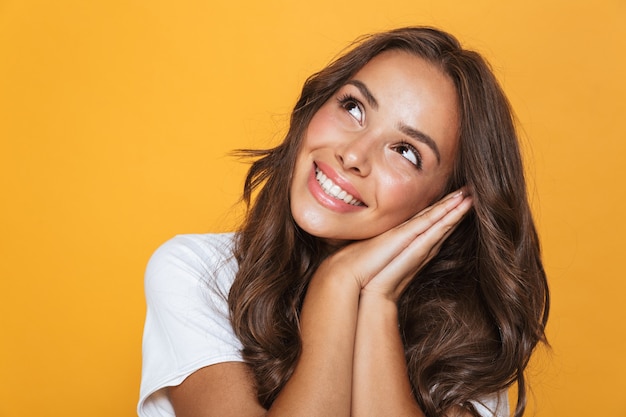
(472, 317)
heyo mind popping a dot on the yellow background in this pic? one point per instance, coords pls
(116, 117)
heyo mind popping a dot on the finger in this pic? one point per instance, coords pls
(439, 231)
(426, 219)
(427, 244)
(399, 271)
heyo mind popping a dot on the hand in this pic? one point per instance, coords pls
(385, 264)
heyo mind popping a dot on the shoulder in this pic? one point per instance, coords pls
(187, 283)
(194, 250)
(189, 260)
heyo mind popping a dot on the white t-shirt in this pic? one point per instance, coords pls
(187, 326)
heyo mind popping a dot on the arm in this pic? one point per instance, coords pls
(322, 381)
(381, 384)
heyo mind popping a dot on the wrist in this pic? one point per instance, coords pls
(329, 275)
(382, 305)
(374, 294)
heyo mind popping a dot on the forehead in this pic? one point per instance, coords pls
(405, 69)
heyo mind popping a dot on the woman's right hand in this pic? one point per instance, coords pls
(386, 263)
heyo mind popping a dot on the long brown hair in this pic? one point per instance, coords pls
(472, 317)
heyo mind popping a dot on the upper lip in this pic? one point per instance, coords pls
(340, 181)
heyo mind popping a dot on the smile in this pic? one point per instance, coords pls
(335, 191)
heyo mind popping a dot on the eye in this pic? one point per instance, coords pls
(409, 152)
(353, 107)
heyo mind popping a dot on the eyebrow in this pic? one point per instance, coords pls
(366, 93)
(421, 137)
(407, 130)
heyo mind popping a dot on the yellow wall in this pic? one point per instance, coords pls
(115, 118)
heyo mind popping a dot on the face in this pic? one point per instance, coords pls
(378, 151)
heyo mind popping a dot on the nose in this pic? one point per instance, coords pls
(356, 155)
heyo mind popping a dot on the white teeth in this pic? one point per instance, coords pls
(334, 190)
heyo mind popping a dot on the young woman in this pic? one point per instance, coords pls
(389, 265)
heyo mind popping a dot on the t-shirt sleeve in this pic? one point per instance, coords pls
(187, 325)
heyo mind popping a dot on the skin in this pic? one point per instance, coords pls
(352, 361)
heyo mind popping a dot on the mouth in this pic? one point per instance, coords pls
(335, 191)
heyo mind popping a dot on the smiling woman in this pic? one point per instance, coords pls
(388, 266)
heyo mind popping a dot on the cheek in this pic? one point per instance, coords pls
(322, 127)
(412, 204)
(408, 198)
